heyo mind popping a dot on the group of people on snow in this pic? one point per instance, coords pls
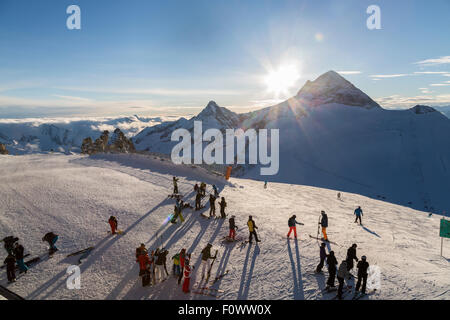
(16, 254)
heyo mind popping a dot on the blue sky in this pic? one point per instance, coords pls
(172, 57)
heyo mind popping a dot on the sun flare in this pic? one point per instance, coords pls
(280, 80)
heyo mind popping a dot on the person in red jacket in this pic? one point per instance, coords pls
(182, 263)
(144, 266)
(113, 223)
(187, 275)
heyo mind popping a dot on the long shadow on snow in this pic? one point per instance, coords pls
(296, 272)
(371, 232)
(165, 167)
(245, 285)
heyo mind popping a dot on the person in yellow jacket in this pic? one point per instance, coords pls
(252, 229)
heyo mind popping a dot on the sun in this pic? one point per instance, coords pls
(281, 79)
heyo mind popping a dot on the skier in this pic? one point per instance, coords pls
(265, 184)
(252, 229)
(358, 214)
(292, 226)
(324, 224)
(203, 189)
(323, 256)
(51, 238)
(206, 255)
(175, 185)
(187, 274)
(113, 223)
(223, 205)
(10, 263)
(9, 243)
(182, 264)
(332, 266)
(176, 265)
(196, 188)
(233, 228)
(342, 275)
(351, 255)
(160, 264)
(145, 268)
(198, 200)
(216, 192)
(339, 196)
(362, 266)
(19, 255)
(212, 205)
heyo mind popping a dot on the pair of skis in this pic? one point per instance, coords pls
(321, 239)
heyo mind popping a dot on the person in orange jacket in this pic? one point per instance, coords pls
(113, 223)
(187, 274)
(144, 269)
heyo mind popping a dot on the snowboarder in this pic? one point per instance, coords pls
(176, 265)
(324, 224)
(160, 264)
(175, 185)
(252, 229)
(342, 275)
(10, 263)
(9, 243)
(113, 224)
(323, 256)
(182, 264)
(332, 266)
(206, 255)
(51, 238)
(140, 250)
(216, 192)
(351, 255)
(198, 200)
(19, 255)
(223, 205)
(358, 214)
(177, 213)
(212, 205)
(233, 228)
(362, 266)
(292, 226)
(187, 274)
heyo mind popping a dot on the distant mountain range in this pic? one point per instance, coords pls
(332, 135)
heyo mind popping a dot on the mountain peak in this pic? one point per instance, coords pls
(421, 109)
(331, 87)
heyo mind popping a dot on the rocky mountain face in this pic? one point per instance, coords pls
(118, 143)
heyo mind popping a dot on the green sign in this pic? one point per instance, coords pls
(445, 228)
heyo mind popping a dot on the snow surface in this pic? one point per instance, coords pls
(75, 195)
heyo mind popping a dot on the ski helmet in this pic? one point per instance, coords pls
(322, 212)
(364, 258)
(354, 245)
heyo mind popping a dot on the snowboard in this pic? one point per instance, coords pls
(79, 252)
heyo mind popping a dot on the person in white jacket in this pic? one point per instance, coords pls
(342, 274)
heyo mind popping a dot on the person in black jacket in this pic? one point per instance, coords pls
(212, 205)
(9, 243)
(51, 238)
(351, 255)
(233, 228)
(323, 256)
(292, 226)
(19, 255)
(324, 225)
(362, 266)
(10, 263)
(223, 205)
(332, 267)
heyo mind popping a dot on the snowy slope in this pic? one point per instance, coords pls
(332, 135)
(24, 136)
(74, 196)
